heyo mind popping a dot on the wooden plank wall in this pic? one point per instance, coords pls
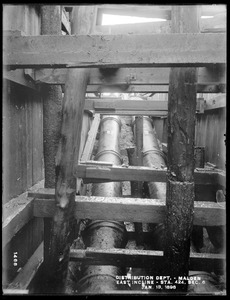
(210, 131)
(22, 144)
(23, 151)
(22, 115)
(22, 17)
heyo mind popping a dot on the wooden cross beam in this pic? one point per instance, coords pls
(132, 88)
(126, 107)
(22, 209)
(118, 173)
(104, 51)
(142, 107)
(137, 258)
(19, 77)
(210, 80)
(126, 209)
(135, 77)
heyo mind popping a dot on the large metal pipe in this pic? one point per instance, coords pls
(104, 234)
(154, 157)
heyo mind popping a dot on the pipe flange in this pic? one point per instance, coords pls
(148, 119)
(112, 224)
(87, 277)
(144, 117)
(159, 152)
(114, 118)
(117, 154)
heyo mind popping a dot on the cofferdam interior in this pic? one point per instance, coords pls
(114, 156)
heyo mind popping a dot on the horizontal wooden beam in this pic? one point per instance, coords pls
(17, 213)
(132, 88)
(137, 258)
(126, 107)
(144, 210)
(18, 76)
(216, 102)
(119, 173)
(140, 107)
(135, 76)
(57, 76)
(210, 80)
(94, 51)
(127, 209)
(27, 273)
(155, 113)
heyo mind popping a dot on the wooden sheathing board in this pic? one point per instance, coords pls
(23, 114)
(211, 134)
(22, 149)
(22, 134)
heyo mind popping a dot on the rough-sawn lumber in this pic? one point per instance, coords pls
(126, 209)
(137, 258)
(133, 76)
(123, 173)
(87, 51)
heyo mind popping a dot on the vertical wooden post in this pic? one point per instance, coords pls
(62, 225)
(181, 134)
(52, 99)
(83, 20)
(62, 229)
(65, 188)
(52, 117)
